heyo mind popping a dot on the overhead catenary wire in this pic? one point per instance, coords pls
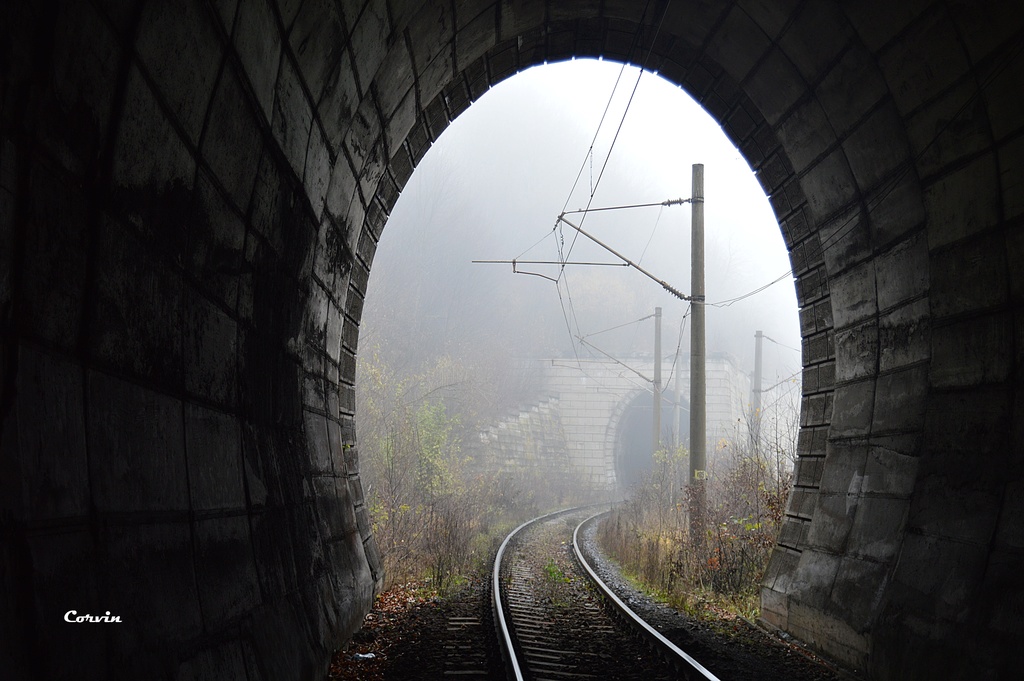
(619, 326)
(781, 345)
(563, 255)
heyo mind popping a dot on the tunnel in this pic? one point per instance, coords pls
(633, 428)
(191, 193)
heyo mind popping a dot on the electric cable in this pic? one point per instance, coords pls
(619, 326)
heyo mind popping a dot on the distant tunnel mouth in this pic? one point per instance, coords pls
(634, 437)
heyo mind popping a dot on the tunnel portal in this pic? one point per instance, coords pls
(634, 440)
(191, 193)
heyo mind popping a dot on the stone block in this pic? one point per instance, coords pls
(367, 247)
(793, 532)
(852, 410)
(399, 122)
(397, 71)
(317, 443)
(293, 116)
(781, 567)
(948, 505)
(136, 442)
(272, 197)
(823, 314)
(811, 286)
(342, 202)
(904, 336)
(969, 420)
(896, 210)
(738, 43)
(273, 552)
(829, 185)
(211, 352)
(233, 142)
(924, 60)
(857, 351)
(339, 102)
(972, 351)
(373, 168)
(226, 661)
(137, 308)
(845, 240)
(802, 501)
(900, 401)
(257, 42)
(216, 255)
(228, 583)
(843, 472)
(902, 272)
(828, 633)
(934, 579)
(314, 324)
(318, 38)
(889, 472)
(854, 299)
(851, 88)
(877, 148)
(350, 456)
(369, 42)
(430, 32)
(150, 159)
(51, 436)
(963, 203)
(363, 521)
(807, 471)
(812, 579)
(180, 48)
(775, 86)
(335, 326)
(774, 608)
(858, 587)
(213, 448)
(969, 276)
(877, 530)
(153, 588)
(317, 174)
(946, 132)
(805, 134)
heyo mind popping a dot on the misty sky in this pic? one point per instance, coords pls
(493, 186)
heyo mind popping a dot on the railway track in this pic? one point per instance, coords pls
(552, 623)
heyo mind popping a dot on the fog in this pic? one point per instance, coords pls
(492, 187)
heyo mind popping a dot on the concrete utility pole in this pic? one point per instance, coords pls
(755, 389)
(698, 437)
(657, 379)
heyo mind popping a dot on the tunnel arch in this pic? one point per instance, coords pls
(631, 422)
(192, 198)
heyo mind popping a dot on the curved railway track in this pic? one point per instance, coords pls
(551, 622)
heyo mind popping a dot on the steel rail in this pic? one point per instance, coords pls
(687, 663)
(505, 638)
(504, 633)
